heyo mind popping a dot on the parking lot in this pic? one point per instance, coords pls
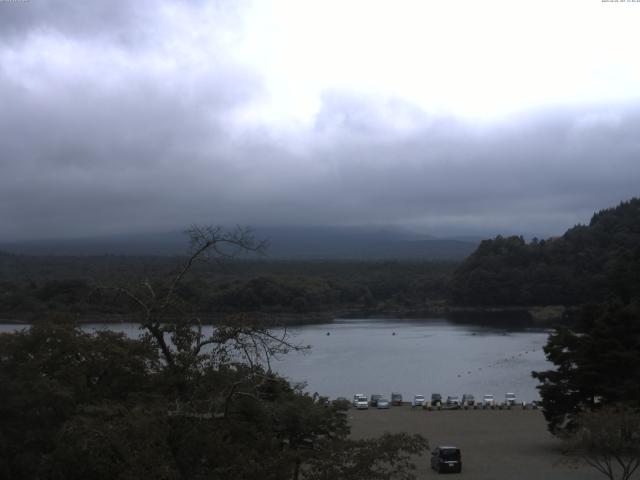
(495, 444)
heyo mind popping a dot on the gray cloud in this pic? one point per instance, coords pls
(132, 24)
(114, 144)
(118, 19)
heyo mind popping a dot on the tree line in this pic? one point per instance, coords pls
(589, 263)
(591, 397)
(35, 286)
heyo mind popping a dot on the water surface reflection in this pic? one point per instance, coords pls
(408, 356)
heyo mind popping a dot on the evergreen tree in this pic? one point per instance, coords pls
(597, 363)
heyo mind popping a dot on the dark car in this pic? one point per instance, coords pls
(396, 399)
(453, 402)
(468, 400)
(374, 399)
(446, 459)
(436, 399)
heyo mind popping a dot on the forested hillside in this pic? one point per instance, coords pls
(589, 263)
(32, 287)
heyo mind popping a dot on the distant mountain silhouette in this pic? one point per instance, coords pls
(289, 242)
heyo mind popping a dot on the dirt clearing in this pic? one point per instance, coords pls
(495, 444)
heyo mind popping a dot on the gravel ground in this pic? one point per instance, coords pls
(495, 444)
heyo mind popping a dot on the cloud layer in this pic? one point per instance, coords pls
(139, 116)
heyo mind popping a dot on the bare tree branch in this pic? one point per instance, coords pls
(609, 440)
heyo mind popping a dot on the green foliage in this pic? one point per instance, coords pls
(591, 263)
(384, 458)
(174, 404)
(52, 371)
(101, 406)
(32, 288)
(597, 364)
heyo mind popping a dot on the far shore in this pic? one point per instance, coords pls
(535, 316)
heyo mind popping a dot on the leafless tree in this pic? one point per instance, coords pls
(177, 334)
(609, 441)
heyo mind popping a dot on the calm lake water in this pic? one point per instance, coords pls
(408, 356)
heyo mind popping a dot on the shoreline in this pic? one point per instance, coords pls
(540, 316)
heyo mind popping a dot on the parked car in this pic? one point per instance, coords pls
(374, 399)
(510, 399)
(446, 459)
(383, 403)
(360, 401)
(488, 401)
(468, 400)
(418, 400)
(436, 399)
(453, 401)
(396, 399)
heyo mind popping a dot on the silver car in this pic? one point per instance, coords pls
(510, 399)
(488, 401)
(360, 401)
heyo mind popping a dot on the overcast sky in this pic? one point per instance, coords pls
(445, 117)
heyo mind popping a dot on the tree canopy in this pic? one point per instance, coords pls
(174, 403)
(589, 263)
(597, 362)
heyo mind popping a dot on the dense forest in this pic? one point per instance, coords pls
(34, 285)
(589, 263)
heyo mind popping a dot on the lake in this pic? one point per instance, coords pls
(408, 356)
